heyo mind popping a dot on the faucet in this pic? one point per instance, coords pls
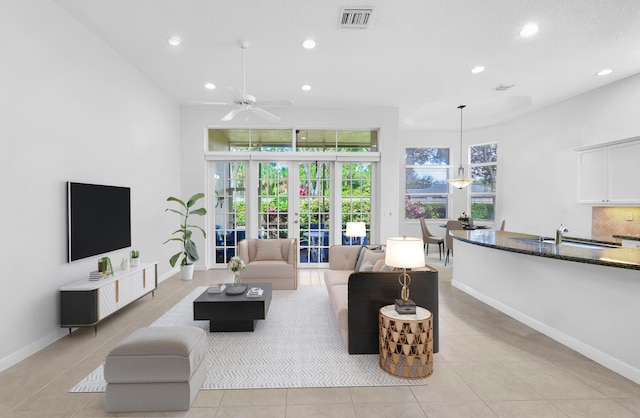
(561, 230)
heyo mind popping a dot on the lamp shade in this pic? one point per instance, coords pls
(356, 229)
(404, 252)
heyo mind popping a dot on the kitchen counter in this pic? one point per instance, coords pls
(614, 256)
(584, 298)
(629, 237)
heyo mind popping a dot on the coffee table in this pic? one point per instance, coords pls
(227, 313)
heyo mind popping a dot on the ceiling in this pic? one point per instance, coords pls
(415, 55)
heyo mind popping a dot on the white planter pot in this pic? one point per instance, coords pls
(134, 262)
(187, 272)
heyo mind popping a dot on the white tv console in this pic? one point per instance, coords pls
(84, 303)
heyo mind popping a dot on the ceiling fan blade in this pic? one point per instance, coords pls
(231, 114)
(263, 113)
(217, 103)
(276, 103)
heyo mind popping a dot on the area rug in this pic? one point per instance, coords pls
(297, 346)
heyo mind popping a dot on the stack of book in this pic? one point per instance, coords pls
(255, 292)
(217, 288)
(97, 275)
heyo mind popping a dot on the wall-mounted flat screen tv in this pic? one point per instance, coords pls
(99, 219)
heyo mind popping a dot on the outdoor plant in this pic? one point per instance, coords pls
(189, 252)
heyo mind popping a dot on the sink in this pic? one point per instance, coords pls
(579, 244)
(565, 242)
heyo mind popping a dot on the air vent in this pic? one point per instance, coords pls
(503, 87)
(355, 17)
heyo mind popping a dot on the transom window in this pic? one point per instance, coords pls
(288, 140)
(484, 169)
(426, 187)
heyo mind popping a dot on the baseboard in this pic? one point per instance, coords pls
(586, 350)
(24, 352)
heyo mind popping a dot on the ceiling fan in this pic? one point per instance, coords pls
(248, 103)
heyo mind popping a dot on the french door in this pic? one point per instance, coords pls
(294, 200)
(309, 200)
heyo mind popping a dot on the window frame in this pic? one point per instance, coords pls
(491, 194)
(411, 199)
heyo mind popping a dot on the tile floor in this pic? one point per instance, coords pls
(489, 365)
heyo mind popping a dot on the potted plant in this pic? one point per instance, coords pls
(135, 258)
(189, 252)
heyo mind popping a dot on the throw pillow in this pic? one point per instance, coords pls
(388, 268)
(372, 256)
(366, 266)
(359, 259)
(268, 249)
(378, 265)
(368, 255)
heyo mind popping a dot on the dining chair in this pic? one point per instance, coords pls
(502, 225)
(429, 238)
(448, 239)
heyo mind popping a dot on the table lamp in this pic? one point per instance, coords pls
(406, 253)
(356, 229)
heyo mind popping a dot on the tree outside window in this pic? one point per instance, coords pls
(426, 187)
(484, 169)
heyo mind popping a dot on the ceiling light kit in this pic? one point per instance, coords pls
(309, 44)
(529, 30)
(606, 71)
(477, 69)
(209, 86)
(174, 40)
(461, 182)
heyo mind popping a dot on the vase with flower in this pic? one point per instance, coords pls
(236, 265)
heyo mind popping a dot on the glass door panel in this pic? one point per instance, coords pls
(229, 208)
(314, 204)
(273, 200)
(356, 199)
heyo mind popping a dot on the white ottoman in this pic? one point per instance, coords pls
(156, 369)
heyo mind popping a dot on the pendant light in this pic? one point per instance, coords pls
(461, 182)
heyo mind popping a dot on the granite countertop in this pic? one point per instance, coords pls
(629, 237)
(613, 256)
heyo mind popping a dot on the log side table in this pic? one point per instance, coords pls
(406, 343)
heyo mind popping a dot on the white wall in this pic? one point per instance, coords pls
(537, 161)
(197, 119)
(71, 109)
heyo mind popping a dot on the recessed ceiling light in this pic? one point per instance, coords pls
(209, 86)
(529, 30)
(306, 87)
(174, 40)
(309, 44)
(606, 71)
(477, 69)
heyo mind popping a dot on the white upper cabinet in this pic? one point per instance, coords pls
(610, 175)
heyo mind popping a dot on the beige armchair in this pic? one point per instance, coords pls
(272, 261)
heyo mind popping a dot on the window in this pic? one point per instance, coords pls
(281, 140)
(484, 168)
(426, 187)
